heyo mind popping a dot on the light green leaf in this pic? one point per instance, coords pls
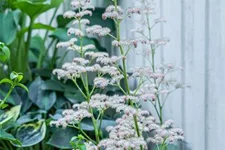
(9, 117)
(30, 134)
(6, 81)
(22, 86)
(4, 52)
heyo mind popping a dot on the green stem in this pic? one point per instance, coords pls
(86, 86)
(86, 136)
(50, 23)
(54, 56)
(28, 46)
(7, 95)
(153, 68)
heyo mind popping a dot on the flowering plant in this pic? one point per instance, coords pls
(134, 128)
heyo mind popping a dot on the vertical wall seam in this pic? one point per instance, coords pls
(207, 9)
(162, 31)
(183, 63)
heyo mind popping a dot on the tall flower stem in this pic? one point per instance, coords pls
(126, 81)
(88, 92)
(160, 111)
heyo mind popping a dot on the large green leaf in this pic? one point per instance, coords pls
(8, 137)
(8, 28)
(30, 134)
(34, 8)
(43, 99)
(61, 138)
(9, 117)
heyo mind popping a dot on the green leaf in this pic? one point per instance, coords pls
(29, 117)
(62, 22)
(39, 26)
(22, 86)
(37, 43)
(6, 81)
(8, 137)
(13, 99)
(16, 77)
(30, 134)
(8, 28)
(60, 34)
(4, 52)
(37, 46)
(9, 117)
(74, 97)
(56, 139)
(36, 7)
(53, 85)
(43, 99)
(61, 101)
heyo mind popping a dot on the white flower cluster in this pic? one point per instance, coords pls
(103, 102)
(113, 12)
(103, 65)
(166, 134)
(124, 135)
(82, 5)
(71, 116)
(99, 30)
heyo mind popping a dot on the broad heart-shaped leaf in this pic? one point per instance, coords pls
(61, 138)
(34, 8)
(9, 117)
(8, 28)
(30, 134)
(8, 137)
(43, 99)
